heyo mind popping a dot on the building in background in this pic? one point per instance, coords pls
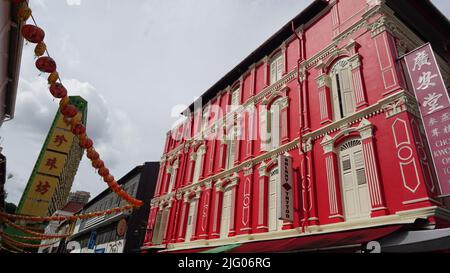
(79, 197)
(119, 232)
(323, 147)
(74, 205)
(51, 180)
(11, 43)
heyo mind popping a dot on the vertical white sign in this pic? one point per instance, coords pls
(286, 202)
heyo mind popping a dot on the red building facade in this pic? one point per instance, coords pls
(334, 99)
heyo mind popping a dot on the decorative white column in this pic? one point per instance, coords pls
(372, 172)
(334, 189)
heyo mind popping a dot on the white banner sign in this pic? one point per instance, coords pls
(286, 209)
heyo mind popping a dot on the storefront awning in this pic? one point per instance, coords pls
(221, 249)
(316, 242)
(417, 241)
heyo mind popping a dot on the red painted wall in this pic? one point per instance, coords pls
(401, 187)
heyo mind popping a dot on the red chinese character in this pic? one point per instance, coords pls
(51, 163)
(42, 188)
(60, 139)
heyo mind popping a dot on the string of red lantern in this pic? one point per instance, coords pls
(63, 218)
(18, 250)
(17, 243)
(34, 34)
(33, 238)
(37, 234)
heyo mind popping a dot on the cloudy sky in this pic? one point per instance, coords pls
(137, 63)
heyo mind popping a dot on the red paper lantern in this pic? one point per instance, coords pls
(86, 143)
(58, 90)
(78, 129)
(46, 64)
(98, 163)
(92, 155)
(103, 171)
(69, 111)
(33, 34)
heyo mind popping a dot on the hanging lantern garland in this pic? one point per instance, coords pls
(10, 240)
(64, 218)
(30, 238)
(17, 250)
(34, 34)
(37, 234)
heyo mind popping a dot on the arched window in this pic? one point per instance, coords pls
(355, 192)
(226, 214)
(342, 90)
(274, 193)
(276, 68)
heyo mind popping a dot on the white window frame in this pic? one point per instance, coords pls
(190, 225)
(236, 97)
(274, 224)
(342, 97)
(231, 154)
(225, 218)
(274, 124)
(276, 68)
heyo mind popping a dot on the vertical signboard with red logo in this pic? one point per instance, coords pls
(434, 104)
(286, 202)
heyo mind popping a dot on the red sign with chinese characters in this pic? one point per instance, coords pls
(434, 105)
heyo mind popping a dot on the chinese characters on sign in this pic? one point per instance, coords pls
(434, 105)
(61, 141)
(286, 211)
(37, 202)
(42, 187)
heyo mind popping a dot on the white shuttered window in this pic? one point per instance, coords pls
(342, 90)
(276, 68)
(226, 214)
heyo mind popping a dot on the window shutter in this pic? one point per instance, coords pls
(225, 218)
(335, 96)
(273, 72)
(264, 129)
(347, 91)
(346, 164)
(198, 162)
(163, 225)
(235, 97)
(231, 151)
(360, 170)
(157, 230)
(280, 67)
(275, 126)
(273, 203)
